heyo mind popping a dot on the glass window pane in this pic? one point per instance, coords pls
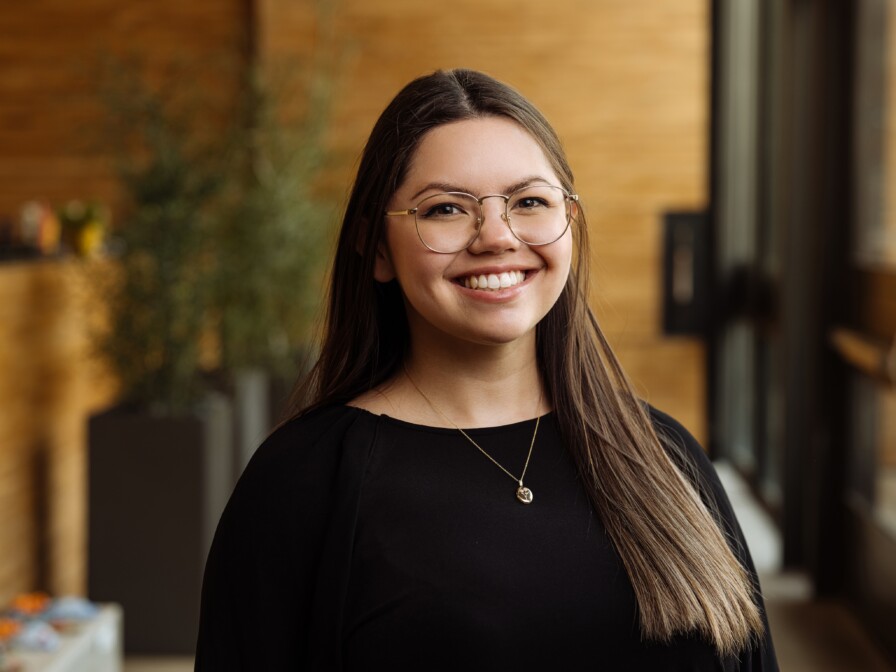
(875, 134)
(873, 462)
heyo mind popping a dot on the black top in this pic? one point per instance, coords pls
(356, 541)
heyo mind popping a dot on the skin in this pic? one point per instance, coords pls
(472, 351)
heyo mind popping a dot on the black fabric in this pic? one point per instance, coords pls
(356, 541)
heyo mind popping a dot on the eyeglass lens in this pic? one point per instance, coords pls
(537, 215)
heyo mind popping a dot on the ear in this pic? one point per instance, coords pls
(382, 264)
(574, 210)
(383, 271)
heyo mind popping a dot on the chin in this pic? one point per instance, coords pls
(495, 336)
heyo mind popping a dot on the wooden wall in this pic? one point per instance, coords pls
(52, 149)
(53, 54)
(49, 384)
(624, 83)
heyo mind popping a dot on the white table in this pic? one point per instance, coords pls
(94, 647)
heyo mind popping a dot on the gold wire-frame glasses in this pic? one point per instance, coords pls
(447, 222)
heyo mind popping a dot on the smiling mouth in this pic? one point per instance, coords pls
(492, 281)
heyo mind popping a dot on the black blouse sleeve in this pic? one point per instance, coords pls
(262, 569)
(761, 655)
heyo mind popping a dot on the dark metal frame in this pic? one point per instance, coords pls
(797, 308)
(826, 529)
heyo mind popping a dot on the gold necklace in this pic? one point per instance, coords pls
(523, 493)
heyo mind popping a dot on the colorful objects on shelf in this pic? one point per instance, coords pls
(9, 628)
(30, 604)
(83, 227)
(39, 230)
(39, 227)
(34, 621)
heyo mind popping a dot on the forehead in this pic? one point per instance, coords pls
(479, 155)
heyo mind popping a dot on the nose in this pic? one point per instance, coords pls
(494, 229)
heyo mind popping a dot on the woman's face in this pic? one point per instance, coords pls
(491, 155)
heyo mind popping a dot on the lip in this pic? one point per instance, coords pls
(496, 295)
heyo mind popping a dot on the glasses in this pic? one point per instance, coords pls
(450, 222)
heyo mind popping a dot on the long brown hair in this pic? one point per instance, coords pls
(685, 576)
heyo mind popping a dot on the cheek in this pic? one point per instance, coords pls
(415, 268)
(561, 255)
(392, 255)
(561, 260)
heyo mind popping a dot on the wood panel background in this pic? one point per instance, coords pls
(52, 54)
(624, 83)
(49, 384)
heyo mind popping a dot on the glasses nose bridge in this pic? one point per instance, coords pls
(481, 202)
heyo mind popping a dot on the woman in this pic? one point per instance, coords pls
(473, 483)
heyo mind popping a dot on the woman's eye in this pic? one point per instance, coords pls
(530, 202)
(443, 210)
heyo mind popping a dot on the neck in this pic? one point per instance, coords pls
(449, 382)
(471, 386)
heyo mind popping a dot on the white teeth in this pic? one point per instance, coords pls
(494, 280)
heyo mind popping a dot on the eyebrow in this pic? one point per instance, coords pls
(446, 186)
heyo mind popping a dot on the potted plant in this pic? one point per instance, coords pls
(267, 239)
(215, 274)
(160, 464)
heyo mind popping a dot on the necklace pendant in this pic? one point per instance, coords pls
(524, 494)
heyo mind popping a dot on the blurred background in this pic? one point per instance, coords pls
(171, 179)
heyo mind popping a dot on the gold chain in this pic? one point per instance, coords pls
(523, 493)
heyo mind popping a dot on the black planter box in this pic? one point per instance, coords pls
(157, 487)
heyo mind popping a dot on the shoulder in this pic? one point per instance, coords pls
(305, 438)
(681, 445)
(672, 429)
(690, 457)
(312, 427)
(298, 461)
(290, 482)
(264, 565)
